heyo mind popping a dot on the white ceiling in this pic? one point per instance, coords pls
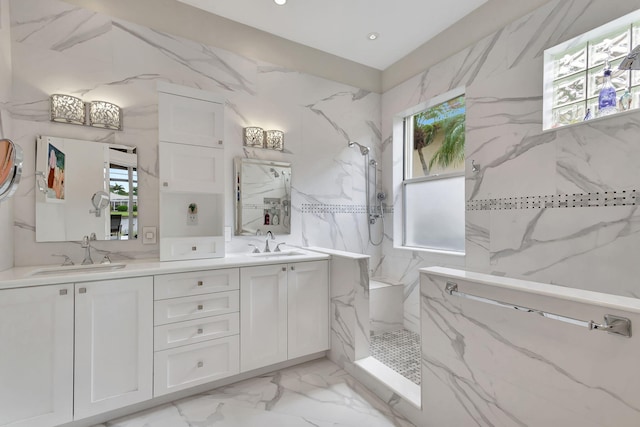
(340, 27)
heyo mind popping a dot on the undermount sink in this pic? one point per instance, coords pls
(68, 269)
(277, 254)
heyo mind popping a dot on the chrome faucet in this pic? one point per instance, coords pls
(87, 248)
(266, 242)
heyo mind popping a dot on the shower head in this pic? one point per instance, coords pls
(363, 150)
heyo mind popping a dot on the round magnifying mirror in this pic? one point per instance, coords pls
(100, 200)
(10, 168)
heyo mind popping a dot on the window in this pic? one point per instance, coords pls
(433, 181)
(574, 72)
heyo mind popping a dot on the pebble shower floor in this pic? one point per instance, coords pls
(400, 351)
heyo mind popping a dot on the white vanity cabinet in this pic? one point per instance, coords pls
(192, 173)
(36, 360)
(69, 361)
(196, 328)
(113, 345)
(284, 312)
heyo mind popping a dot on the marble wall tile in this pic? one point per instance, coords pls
(477, 240)
(61, 48)
(6, 207)
(349, 314)
(587, 248)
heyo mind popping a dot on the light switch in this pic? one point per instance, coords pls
(227, 234)
(149, 235)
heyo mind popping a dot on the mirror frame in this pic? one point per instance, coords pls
(12, 166)
(238, 181)
(73, 213)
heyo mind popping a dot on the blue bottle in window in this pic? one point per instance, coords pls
(607, 100)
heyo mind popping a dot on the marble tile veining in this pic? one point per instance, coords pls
(316, 393)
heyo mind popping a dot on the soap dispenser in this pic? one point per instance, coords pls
(266, 218)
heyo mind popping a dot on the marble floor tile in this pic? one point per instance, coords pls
(316, 393)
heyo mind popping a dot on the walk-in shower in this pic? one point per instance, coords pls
(378, 210)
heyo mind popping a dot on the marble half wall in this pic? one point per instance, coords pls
(485, 365)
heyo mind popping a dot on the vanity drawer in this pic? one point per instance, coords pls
(177, 248)
(187, 366)
(195, 283)
(195, 307)
(194, 331)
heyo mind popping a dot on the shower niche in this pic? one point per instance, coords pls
(263, 196)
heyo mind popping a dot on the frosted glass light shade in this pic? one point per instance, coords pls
(275, 139)
(67, 109)
(254, 136)
(105, 115)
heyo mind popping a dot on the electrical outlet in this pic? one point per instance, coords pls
(149, 235)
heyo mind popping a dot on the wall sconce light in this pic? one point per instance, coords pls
(67, 109)
(106, 115)
(254, 137)
(275, 139)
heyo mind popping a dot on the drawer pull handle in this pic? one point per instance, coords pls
(194, 248)
(200, 331)
(200, 283)
(284, 268)
(165, 184)
(219, 142)
(200, 364)
(292, 268)
(200, 306)
(63, 291)
(82, 290)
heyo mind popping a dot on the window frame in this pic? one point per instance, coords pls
(402, 123)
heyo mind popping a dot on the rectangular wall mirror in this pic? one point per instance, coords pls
(85, 187)
(263, 196)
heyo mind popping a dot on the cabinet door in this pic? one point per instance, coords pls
(36, 361)
(190, 168)
(187, 366)
(114, 344)
(263, 316)
(190, 121)
(308, 308)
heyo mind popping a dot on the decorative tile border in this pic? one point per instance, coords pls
(577, 200)
(338, 209)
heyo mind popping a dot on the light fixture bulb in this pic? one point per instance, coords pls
(279, 2)
(373, 36)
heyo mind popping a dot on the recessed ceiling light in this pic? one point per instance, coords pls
(373, 36)
(279, 2)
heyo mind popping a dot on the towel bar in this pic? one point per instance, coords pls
(613, 324)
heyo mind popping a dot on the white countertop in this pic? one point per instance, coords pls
(20, 277)
(555, 291)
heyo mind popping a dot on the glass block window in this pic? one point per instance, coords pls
(574, 72)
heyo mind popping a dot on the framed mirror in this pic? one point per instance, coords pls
(10, 168)
(263, 196)
(85, 187)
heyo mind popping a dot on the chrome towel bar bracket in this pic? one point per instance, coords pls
(612, 324)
